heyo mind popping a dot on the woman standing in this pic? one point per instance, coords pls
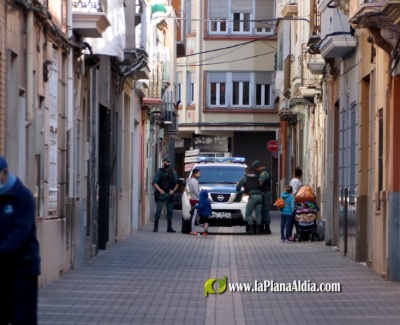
(296, 183)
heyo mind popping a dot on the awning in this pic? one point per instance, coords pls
(152, 101)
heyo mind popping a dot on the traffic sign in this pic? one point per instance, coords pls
(194, 152)
(188, 167)
(272, 145)
(191, 159)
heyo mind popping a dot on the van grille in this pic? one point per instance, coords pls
(220, 198)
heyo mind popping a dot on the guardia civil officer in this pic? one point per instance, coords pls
(165, 182)
(251, 185)
(264, 178)
(19, 251)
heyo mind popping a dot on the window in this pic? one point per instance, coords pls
(240, 93)
(218, 174)
(217, 92)
(218, 25)
(238, 17)
(240, 89)
(263, 30)
(241, 22)
(263, 95)
(191, 93)
(178, 92)
(353, 154)
(380, 150)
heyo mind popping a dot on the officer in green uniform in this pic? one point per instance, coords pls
(264, 178)
(251, 185)
(165, 183)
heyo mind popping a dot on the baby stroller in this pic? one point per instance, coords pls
(305, 221)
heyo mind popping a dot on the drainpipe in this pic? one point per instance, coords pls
(29, 68)
(70, 107)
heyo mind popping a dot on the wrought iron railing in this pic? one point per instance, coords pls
(169, 112)
(315, 18)
(86, 5)
(286, 80)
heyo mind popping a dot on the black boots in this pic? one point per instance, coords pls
(249, 230)
(155, 226)
(267, 230)
(260, 229)
(254, 229)
(169, 228)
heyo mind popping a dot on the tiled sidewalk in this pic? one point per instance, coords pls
(158, 278)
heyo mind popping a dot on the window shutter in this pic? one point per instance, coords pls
(242, 6)
(264, 78)
(217, 9)
(265, 10)
(240, 76)
(217, 76)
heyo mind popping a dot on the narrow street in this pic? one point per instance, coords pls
(158, 278)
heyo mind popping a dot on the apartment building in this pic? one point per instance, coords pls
(351, 160)
(85, 117)
(224, 82)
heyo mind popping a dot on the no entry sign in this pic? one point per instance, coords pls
(272, 145)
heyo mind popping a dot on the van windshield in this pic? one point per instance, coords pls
(220, 174)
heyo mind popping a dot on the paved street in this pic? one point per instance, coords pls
(158, 278)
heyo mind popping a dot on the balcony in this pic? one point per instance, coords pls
(87, 18)
(337, 46)
(381, 18)
(161, 58)
(392, 9)
(170, 113)
(138, 12)
(180, 35)
(286, 111)
(286, 79)
(287, 115)
(290, 9)
(315, 64)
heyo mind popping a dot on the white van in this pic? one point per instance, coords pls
(219, 177)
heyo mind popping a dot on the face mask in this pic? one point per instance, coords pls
(166, 166)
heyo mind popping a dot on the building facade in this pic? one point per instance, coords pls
(351, 161)
(82, 118)
(225, 81)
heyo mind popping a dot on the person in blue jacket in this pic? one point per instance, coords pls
(19, 251)
(287, 215)
(204, 210)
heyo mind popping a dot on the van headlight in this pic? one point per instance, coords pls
(245, 198)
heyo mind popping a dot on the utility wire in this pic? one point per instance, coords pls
(244, 20)
(249, 57)
(225, 53)
(232, 46)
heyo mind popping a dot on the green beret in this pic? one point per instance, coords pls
(255, 164)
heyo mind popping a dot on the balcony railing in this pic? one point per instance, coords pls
(86, 5)
(315, 19)
(170, 115)
(161, 56)
(138, 12)
(286, 80)
(88, 18)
